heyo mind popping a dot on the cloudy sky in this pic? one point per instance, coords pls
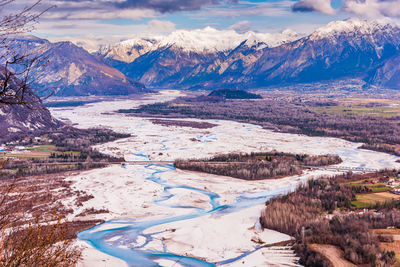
(110, 20)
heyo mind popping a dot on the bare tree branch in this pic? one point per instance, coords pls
(17, 70)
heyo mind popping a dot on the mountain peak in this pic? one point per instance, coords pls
(145, 41)
(351, 26)
(262, 40)
(207, 39)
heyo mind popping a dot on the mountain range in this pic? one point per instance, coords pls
(349, 49)
(353, 49)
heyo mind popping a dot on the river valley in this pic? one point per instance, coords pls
(161, 216)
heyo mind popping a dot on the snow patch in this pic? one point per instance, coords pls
(262, 40)
(203, 40)
(129, 50)
(13, 130)
(74, 73)
(353, 25)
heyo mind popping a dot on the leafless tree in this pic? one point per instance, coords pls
(28, 239)
(17, 64)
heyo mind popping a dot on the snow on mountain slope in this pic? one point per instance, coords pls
(129, 50)
(352, 48)
(353, 26)
(201, 41)
(22, 120)
(209, 58)
(270, 39)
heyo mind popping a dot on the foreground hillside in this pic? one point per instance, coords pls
(20, 121)
(21, 112)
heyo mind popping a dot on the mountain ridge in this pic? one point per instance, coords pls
(207, 40)
(353, 48)
(73, 71)
(27, 119)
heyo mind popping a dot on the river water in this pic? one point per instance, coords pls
(120, 238)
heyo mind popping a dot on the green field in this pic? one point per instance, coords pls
(379, 193)
(384, 111)
(43, 148)
(42, 151)
(378, 187)
(371, 199)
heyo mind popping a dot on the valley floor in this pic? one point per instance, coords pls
(223, 211)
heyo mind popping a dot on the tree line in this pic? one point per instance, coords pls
(292, 116)
(256, 165)
(302, 214)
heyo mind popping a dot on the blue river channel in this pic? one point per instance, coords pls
(126, 240)
(119, 239)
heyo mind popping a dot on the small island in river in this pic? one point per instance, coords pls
(260, 165)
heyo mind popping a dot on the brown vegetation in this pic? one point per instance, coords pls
(73, 152)
(38, 245)
(287, 115)
(17, 63)
(303, 214)
(333, 254)
(33, 229)
(179, 123)
(256, 165)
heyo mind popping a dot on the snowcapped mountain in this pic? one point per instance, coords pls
(201, 41)
(210, 40)
(185, 57)
(353, 26)
(208, 58)
(127, 51)
(207, 40)
(72, 71)
(345, 49)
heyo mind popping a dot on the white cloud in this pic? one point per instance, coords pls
(160, 26)
(322, 6)
(241, 26)
(373, 8)
(100, 34)
(248, 9)
(85, 11)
